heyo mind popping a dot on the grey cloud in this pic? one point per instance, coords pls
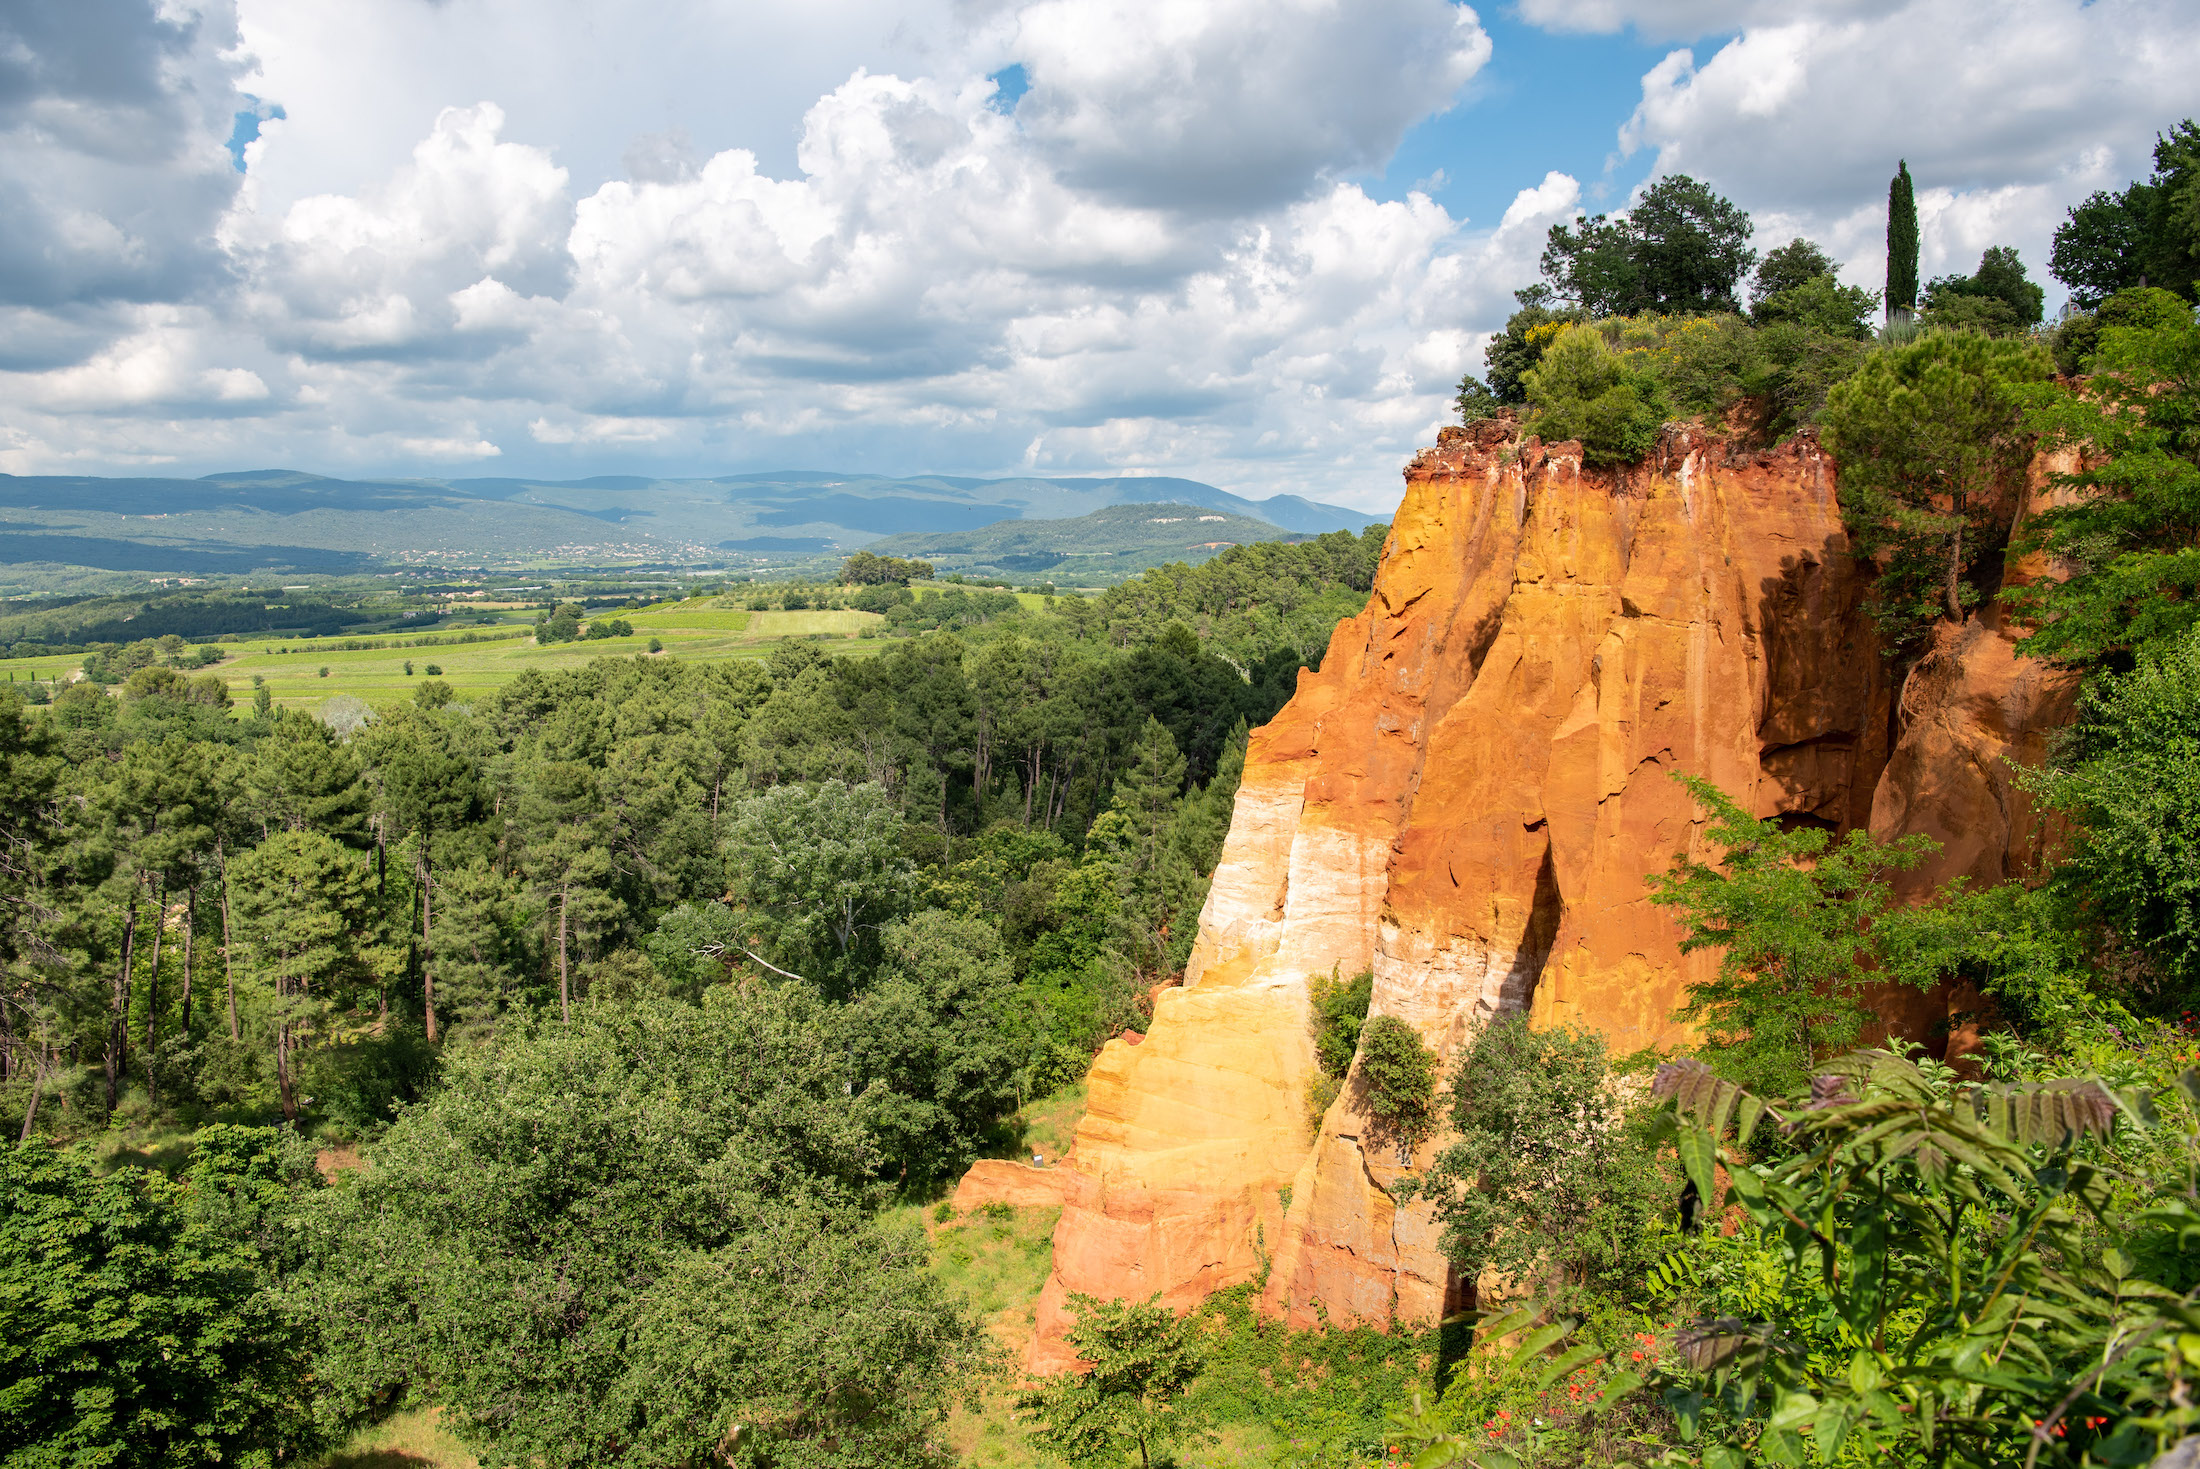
(39, 341)
(112, 173)
(1236, 105)
(1812, 115)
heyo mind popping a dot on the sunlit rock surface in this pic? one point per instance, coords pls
(1469, 796)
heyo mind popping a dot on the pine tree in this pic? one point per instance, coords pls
(1154, 876)
(1901, 246)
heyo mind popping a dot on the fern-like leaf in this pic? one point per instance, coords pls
(1706, 1099)
(2052, 1114)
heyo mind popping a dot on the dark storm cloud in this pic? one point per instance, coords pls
(112, 173)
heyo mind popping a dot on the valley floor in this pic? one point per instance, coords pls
(304, 673)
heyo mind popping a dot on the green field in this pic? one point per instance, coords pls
(700, 615)
(1032, 601)
(698, 629)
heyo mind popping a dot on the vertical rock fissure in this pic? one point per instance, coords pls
(1545, 909)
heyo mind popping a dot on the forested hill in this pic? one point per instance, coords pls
(1095, 549)
(278, 520)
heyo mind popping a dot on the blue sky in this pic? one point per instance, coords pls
(1255, 242)
(1547, 101)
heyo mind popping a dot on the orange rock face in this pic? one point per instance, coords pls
(1019, 1185)
(1468, 798)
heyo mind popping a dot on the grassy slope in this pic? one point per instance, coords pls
(412, 1439)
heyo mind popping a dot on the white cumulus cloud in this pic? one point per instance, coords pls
(694, 237)
(2006, 116)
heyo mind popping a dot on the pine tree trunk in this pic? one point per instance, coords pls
(152, 991)
(427, 938)
(1955, 565)
(38, 1087)
(190, 932)
(282, 1048)
(118, 1027)
(229, 963)
(152, 969)
(565, 991)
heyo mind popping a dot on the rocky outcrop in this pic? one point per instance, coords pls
(1468, 797)
(1018, 1185)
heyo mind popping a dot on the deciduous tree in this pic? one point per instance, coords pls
(1131, 1399)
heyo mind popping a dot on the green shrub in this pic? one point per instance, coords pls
(1398, 1078)
(1130, 1401)
(1323, 1395)
(1583, 390)
(2130, 779)
(1796, 367)
(1824, 305)
(358, 1087)
(1336, 1010)
(606, 1242)
(139, 1319)
(1702, 364)
(1547, 1179)
(2126, 522)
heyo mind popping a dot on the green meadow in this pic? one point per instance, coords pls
(306, 672)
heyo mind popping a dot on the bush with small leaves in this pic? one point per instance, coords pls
(1398, 1078)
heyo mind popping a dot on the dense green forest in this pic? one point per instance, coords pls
(659, 994)
(810, 926)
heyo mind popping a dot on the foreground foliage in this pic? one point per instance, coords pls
(1959, 1310)
(140, 1319)
(641, 1239)
(1140, 1360)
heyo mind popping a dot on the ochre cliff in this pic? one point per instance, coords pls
(1468, 797)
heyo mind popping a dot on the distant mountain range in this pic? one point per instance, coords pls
(1108, 545)
(283, 520)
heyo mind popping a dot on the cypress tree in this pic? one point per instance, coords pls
(1901, 246)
